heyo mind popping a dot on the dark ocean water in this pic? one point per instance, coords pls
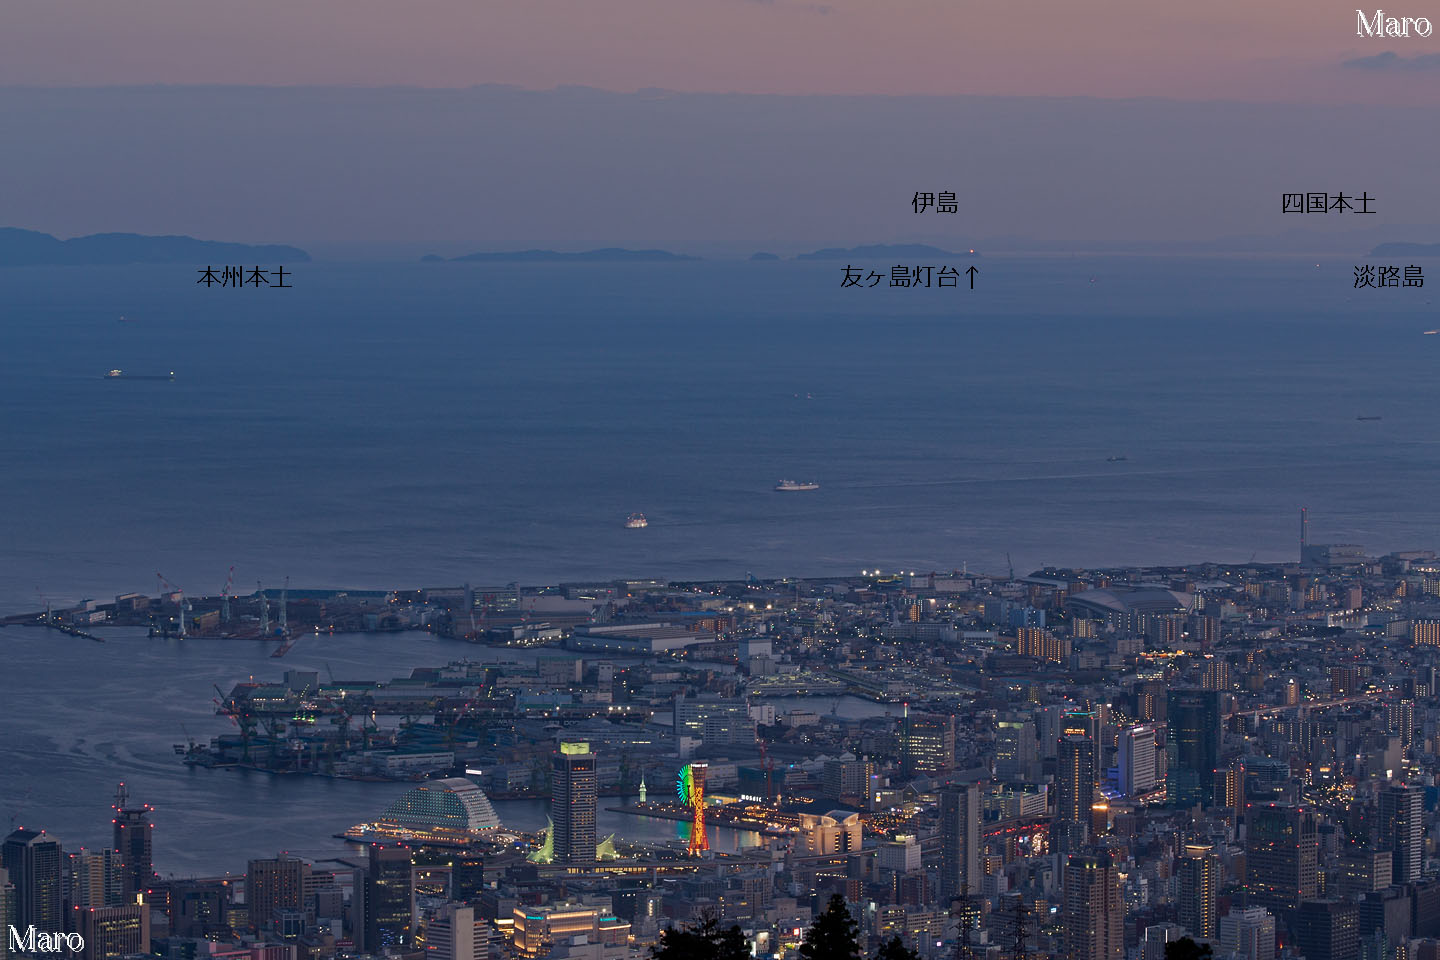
(399, 425)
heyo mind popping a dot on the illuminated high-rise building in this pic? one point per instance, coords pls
(1094, 917)
(133, 834)
(960, 813)
(1042, 644)
(467, 876)
(274, 885)
(1199, 871)
(1193, 743)
(1017, 755)
(1075, 779)
(389, 883)
(33, 859)
(1401, 827)
(1281, 851)
(112, 932)
(1249, 933)
(456, 933)
(1215, 675)
(928, 742)
(1327, 930)
(95, 880)
(1136, 760)
(1425, 633)
(573, 798)
(1230, 786)
(844, 779)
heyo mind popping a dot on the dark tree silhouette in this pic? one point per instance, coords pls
(895, 949)
(833, 935)
(1187, 949)
(705, 940)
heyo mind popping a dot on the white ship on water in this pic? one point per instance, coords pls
(792, 486)
(636, 520)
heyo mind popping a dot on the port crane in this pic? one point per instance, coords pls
(225, 596)
(288, 641)
(166, 586)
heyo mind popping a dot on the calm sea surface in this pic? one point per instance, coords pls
(400, 425)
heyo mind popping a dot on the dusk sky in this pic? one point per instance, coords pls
(1230, 49)
(709, 126)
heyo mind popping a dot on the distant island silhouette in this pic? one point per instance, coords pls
(1406, 250)
(21, 248)
(604, 255)
(882, 250)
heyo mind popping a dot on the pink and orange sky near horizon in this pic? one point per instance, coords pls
(1278, 50)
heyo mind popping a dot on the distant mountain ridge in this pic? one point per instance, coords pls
(603, 255)
(882, 250)
(1400, 249)
(33, 248)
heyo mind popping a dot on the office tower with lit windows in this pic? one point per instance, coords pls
(1017, 754)
(928, 742)
(95, 879)
(281, 883)
(1094, 916)
(389, 883)
(960, 815)
(457, 933)
(846, 779)
(1199, 872)
(33, 859)
(1136, 760)
(573, 797)
(1193, 742)
(111, 932)
(199, 908)
(1075, 779)
(1249, 933)
(1327, 930)
(1402, 829)
(1281, 853)
(467, 876)
(1215, 675)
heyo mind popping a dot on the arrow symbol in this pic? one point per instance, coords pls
(972, 271)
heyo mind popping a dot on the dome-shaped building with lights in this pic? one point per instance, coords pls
(452, 810)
